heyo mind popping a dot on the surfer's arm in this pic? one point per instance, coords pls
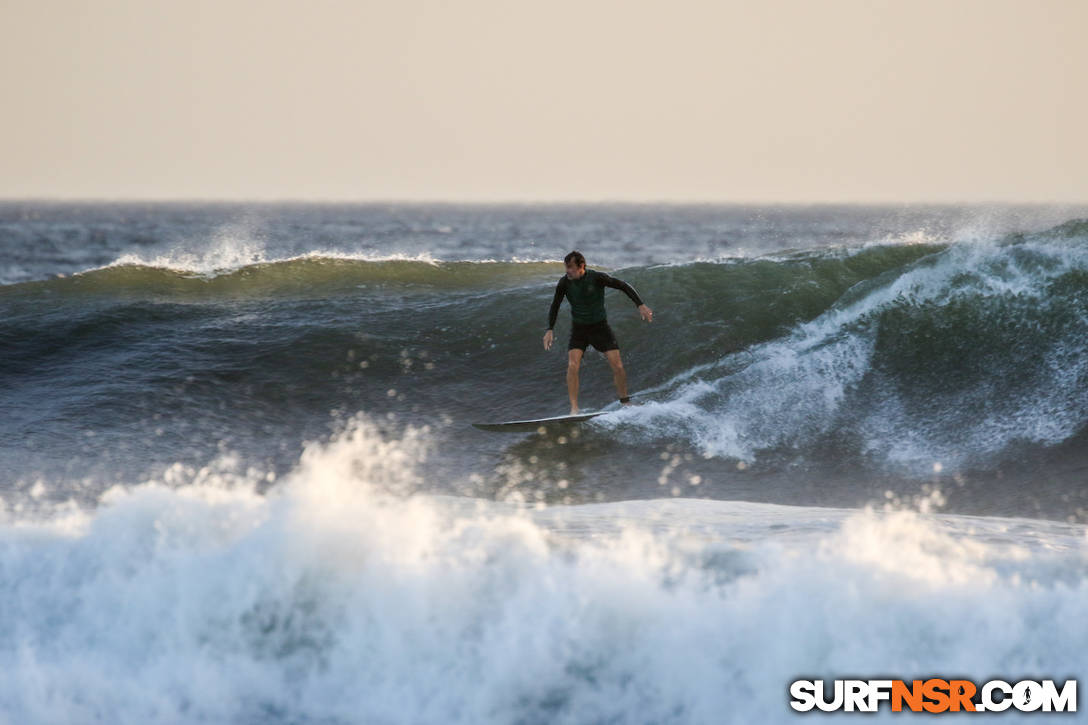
(560, 290)
(610, 281)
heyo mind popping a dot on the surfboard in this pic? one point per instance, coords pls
(521, 426)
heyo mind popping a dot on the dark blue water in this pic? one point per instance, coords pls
(805, 355)
(239, 480)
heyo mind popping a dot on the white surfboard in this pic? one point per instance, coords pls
(521, 426)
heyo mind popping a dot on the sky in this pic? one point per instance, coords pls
(560, 100)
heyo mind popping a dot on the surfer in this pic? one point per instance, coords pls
(589, 325)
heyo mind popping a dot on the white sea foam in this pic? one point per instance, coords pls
(230, 259)
(340, 598)
(236, 246)
(226, 260)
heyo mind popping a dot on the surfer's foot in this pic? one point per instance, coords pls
(574, 411)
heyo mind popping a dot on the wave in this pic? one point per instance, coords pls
(340, 597)
(916, 359)
(305, 275)
(953, 357)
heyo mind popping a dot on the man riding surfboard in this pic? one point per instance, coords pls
(584, 288)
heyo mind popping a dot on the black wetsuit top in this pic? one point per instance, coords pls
(586, 295)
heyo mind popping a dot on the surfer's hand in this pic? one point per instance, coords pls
(646, 312)
(548, 340)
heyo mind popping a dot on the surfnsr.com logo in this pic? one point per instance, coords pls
(933, 695)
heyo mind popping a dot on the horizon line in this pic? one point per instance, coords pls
(452, 201)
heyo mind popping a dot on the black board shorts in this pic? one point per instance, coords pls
(598, 334)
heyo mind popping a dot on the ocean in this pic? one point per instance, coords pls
(239, 481)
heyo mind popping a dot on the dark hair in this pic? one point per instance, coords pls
(575, 257)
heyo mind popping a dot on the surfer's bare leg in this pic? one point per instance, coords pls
(574, 361)
(619, 375)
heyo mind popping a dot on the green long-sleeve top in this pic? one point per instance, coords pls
(586, 296)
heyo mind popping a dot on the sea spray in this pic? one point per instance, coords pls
(340, 596)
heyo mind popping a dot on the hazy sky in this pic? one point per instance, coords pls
(840, 100)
